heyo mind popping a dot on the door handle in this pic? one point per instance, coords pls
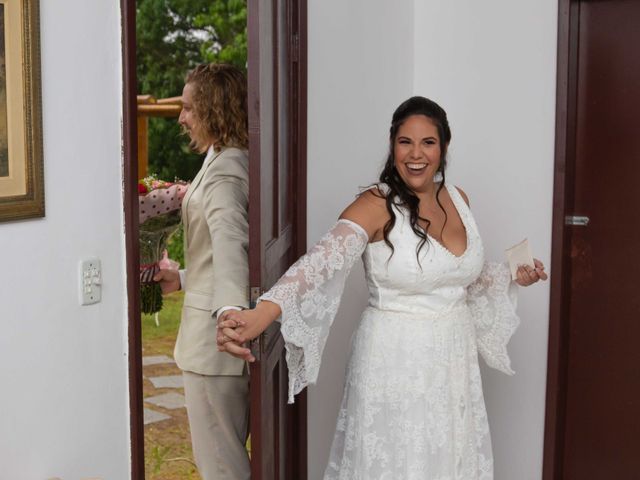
(576, 220)
(254, 294)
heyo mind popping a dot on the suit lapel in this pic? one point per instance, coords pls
(211, 156)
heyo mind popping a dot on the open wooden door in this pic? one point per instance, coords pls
(277, 219)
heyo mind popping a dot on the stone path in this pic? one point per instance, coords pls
(151, 416)
(169, 400)
(169, 381)
(156, 360)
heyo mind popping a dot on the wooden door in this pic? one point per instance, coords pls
(277, 214)
(595, 355)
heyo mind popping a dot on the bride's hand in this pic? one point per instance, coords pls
(527, 276)
(237, 327)
(231, 333)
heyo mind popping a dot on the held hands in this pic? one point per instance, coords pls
(232, 333)
(528, 276)
(235, 328)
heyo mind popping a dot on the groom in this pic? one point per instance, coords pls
(216, 232)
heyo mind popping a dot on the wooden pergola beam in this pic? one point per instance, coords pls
(159, 110)
(149, 106)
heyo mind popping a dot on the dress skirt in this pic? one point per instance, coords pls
(413, 407)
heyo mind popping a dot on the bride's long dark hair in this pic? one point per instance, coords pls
(398, 193)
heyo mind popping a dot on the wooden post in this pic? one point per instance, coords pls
(148, 106)
(143, 136)
(143, 146)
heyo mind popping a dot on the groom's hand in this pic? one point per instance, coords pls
(169, 280)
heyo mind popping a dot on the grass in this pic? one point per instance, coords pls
(167, 444)
(159, 340)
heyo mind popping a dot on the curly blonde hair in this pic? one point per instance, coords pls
(220, 104)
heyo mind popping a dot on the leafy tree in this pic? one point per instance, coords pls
(173, 36)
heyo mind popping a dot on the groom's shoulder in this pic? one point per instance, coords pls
(232, 161)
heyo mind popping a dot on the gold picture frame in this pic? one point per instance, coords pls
(21, 159)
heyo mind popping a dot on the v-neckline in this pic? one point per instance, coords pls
(464, 225)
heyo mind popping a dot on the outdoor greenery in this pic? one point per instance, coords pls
(159, 340)
(173, 36)
(175, 247)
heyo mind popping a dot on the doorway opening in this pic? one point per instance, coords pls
(171, 38)
(268, 40)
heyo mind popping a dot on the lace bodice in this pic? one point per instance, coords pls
(437, 283)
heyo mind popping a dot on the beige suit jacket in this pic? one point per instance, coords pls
(216, 233)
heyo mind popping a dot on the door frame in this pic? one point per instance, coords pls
(297, 465)
(130, 182)
(557, 357)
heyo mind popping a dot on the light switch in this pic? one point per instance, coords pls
(90, 281)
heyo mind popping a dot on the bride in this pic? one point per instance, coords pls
(413, 406)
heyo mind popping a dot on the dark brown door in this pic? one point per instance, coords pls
(277, 212)
(598, 429)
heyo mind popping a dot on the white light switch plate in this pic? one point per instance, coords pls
(90, 281)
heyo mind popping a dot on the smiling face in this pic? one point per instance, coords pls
(417, 152)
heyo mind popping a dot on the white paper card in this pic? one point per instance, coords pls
(519, 254)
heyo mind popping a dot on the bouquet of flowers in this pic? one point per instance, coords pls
(159, 205)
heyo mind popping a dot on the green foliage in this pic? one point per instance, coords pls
(159, 455)
(173, 36)
(169, 323)
(150, 298)
(169, 154)
(175, 247)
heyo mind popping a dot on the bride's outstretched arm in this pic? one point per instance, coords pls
(306, 298)
(308, 295)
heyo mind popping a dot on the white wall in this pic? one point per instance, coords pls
(63, 367)
(492, 67)
(360, 69)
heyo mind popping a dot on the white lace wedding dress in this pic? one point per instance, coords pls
(413, 407)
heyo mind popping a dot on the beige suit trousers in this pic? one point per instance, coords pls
(218, 410)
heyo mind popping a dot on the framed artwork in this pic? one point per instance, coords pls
(21, 161)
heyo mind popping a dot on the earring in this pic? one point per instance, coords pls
(437, 178)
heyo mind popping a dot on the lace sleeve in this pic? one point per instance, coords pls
(492, 299)
(309, 296)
